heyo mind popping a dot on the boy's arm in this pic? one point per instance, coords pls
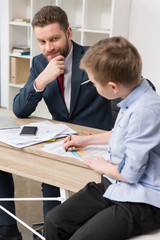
(98, 164)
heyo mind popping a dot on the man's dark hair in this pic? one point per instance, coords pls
(50, 14)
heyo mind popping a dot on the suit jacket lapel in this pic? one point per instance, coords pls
(76, 74)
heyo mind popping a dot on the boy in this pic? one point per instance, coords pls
(126, 203)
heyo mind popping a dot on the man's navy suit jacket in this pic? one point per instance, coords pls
(87, 107)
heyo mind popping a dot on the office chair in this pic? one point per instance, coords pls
(114, 108)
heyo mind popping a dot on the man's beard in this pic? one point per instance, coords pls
(62, 51)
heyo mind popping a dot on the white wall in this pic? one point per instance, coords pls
(0, 56)
(4, 51)
(144, 33)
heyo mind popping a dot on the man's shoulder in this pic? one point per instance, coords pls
(39, 61)
(39, 58)
(79, 47)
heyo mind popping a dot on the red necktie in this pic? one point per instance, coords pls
(61, 85)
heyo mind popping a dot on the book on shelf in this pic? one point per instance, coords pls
(27, 20)
(21, 50)
(21, 53)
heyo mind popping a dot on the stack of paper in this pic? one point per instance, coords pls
(21, 50)
(46, 131)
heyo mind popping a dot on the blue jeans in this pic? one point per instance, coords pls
(6, 191)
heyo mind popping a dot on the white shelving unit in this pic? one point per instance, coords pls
(91, 20)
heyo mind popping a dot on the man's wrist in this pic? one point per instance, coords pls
(35, 88)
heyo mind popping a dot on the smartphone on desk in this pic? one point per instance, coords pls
(29, 130)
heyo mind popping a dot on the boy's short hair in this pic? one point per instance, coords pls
(50, 14)
(113, 59)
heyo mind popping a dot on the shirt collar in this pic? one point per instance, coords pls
(134, 95)
(68, 61)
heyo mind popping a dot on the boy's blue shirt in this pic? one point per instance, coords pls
(135, 147)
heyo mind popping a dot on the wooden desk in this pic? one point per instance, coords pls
(32, 163)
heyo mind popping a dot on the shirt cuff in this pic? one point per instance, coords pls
(36, 88)
(131, 174)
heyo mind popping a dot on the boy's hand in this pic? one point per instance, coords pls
(101, 166)
(74, 142)
(98, 164)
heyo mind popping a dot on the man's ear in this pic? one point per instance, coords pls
(69, 33)
(114, 86)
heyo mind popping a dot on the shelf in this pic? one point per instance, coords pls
(19, 86)
(19, 9)
(89, 38)
(20, 56)
(97, 31)
(19, 35)
(16, 23)
(75, 27)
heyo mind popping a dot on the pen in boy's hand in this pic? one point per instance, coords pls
(68, 139)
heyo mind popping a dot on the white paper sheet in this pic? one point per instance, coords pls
(92, 150)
